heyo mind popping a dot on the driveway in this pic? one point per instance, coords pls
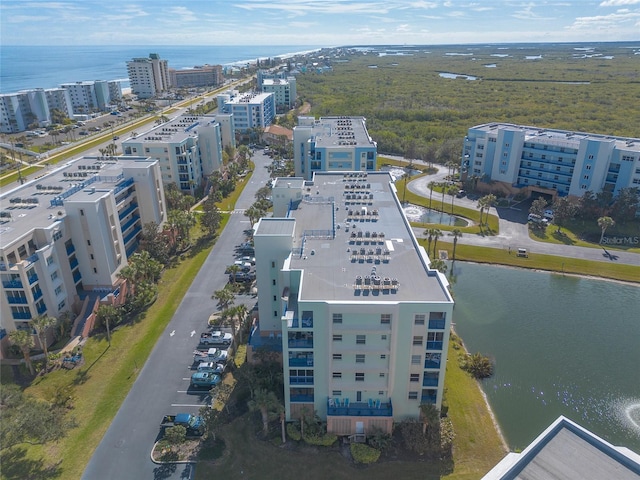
(162, 385)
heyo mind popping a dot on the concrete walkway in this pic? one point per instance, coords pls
(513, 229)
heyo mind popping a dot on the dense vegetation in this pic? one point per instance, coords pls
(411, 110)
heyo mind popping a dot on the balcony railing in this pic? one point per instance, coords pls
(17, 300)
(301, 380)
(73, 263)
(434, 345)
(432, 364)
(12, 284)
(436, 324)
(41, 308)
(133, 233)
(127, 210)
(428, 399)
(77, 276)
(359, 409)
(21, 316)
(33, 279)
(301, 362)
(301, 398)
(300, 343)
(429, 382)
(37, 294)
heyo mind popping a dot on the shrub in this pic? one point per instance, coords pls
(478, 365)
(446, 437)
(379, 440)
(293, 432)
(325, 440)
(363, 453)
(175, 435)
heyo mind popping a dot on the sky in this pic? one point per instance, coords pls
(315, 22)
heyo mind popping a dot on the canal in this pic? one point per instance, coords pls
(562, 346)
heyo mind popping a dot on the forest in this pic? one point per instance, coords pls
(412, 110)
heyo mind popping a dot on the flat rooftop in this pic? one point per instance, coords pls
(351, 233)
(173, 131)
(29, 206)
(560, 137)
(341, 132)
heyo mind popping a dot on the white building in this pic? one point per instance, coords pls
(148, 76)
(284, 91)
(249, 110)
(332, 144)
(13, 115)
(189, 148)
(93, 96)
(59, 99)
(524, 159)
(67, 234)
(346, 294)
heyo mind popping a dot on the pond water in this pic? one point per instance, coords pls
(457, 75)
(398, 172)
(562, 346)
(416, 213)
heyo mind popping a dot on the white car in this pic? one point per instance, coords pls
(216, 338)
(548, 214)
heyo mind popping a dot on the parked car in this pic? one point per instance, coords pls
(84, 132)
(205, 379)
(548, 214)
(215, 355)
(216, 338)
(536, 218)
(461, 193)
(211, 367)
(242, 277)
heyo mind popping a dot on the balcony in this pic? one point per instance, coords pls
(17, 300)
(70, 249)
(301, 361)
(372, 408)
(429, 381)
(429, 399)
(41, 308)
(434, 345)
(21, 316)
(77, 276)
(300, 342)
(301, 380)
(301, 398)
(37, 295)
(73, 263)
(130, 222)
(127, 210)
(436, 324)
(12, 284)
(132, 235)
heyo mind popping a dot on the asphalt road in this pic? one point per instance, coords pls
(513, 229)
(162, 385)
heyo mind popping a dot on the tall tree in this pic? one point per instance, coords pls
(211, 217)
(268, 405)
(456, 233)
(24, 340)
(42, 324)
(431, 186)
(429, 415)
(604, 223)
(437, 233)
(225, 297)
(108, 315)
(453, 191)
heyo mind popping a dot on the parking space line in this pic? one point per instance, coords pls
(186, 405)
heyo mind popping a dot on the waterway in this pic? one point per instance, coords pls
(562, 346)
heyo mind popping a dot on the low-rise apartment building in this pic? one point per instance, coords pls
(250, 110)
(284, 91)
(332, 144)
(70, 231)
(347, 295)
(518, 158)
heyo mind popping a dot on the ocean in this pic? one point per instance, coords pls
(27, 67)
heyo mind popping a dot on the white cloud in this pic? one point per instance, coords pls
(184, 13)
(610, 21)
(27, 18)
(618, 3)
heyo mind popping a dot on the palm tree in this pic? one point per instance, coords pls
(24, 340)
(431, 186)
(482, 204)
(108, 314)
(604, 223)
(225, 297)
(456, 233)
(233, 270)
(439, 265)
(42, 324)
(436, 234)
(429, 233)
(453, 191)
(267, 404)
(491, 201)
(429, 414)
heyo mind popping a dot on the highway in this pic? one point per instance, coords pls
(162, 384)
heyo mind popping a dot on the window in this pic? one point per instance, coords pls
(95, 270)
(275, 298)
(590, 157)
(361, 339)
(413, 395)
(337, 318)
(359, 377)
(49, 260)
(359, 358)
(275, 313)
(89, 242)
(273, 264)
(383, 357)
(58, 290)
(273, 282)
(337, 356)
(414, 377)
(54, 275)
(506, 145)
(586, 177)
(419, 319)
(336, 393)
(385, 318)
(416, 359)
(417, 340)
(61, 305)
(337, 375)
(382, 375)
(588, 167)
(337, 338)
(383, 337)
(544, 157)
(81, 212)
